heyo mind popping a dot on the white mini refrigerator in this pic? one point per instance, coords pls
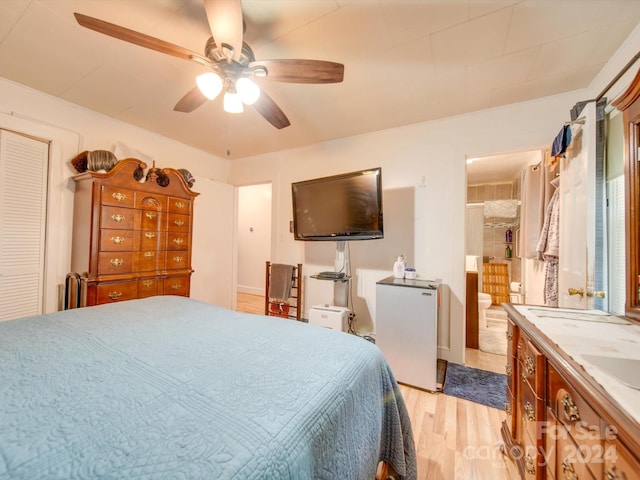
(407, 329)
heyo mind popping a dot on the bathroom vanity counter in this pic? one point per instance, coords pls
(572, 409)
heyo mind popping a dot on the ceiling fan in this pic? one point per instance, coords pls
(231, 61)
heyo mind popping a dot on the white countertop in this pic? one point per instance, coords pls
(592, 332)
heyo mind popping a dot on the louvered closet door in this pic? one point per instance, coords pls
(23, 194)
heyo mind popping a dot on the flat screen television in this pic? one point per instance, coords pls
(340, 207)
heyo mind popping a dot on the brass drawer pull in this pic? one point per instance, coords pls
(150, 215)
(115, 295)
(116, 262)
(507, 408)
(147, 283)
(509, 370)
(178, 241)
(180, 205)
(530, 412)
(509, 333)
(178, 259)
(178, 223)
(530, 365)
(150, 234)
(567, 470)
(117, 217)
(570, 409)
(613, 475)
(176, 286)
(149, 254)
(118, 196)
(117, 240)
(530, 465)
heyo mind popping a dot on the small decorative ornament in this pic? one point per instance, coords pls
(187, 176)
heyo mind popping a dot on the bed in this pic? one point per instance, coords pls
(170, 387)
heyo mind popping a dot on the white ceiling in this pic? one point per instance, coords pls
(405, 61)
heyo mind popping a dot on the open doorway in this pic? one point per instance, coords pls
(495, 264)
(254, 243)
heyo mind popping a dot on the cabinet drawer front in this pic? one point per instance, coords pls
(177, 260)
(619, 464)
(150, 201)
(116, 240)
(117, 217)
(110, 263)
(116, 292)
(581, 421)
(569, 460)
(532, 411)
(179, 205)
(179, 223)
(152, 220)
(117, 196)
(176, 286)
(148, 287)
(177, 241)
(151, 240)
(512, 339)
(149, 260)
(532, 365)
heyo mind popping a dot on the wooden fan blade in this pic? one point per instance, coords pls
(134, 37)
(225, 22)
(192, 100)
(302, 71)
(271, 111)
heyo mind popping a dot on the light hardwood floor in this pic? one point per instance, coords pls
(455, 439)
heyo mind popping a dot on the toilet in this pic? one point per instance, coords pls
(484, 302)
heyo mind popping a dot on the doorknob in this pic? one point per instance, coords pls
(576, 291)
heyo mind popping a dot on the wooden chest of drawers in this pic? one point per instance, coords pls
(561, 424)
(132, 239)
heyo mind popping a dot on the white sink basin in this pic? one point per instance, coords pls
(627, 370)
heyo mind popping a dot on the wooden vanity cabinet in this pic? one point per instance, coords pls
(561, 424)
(132, 239)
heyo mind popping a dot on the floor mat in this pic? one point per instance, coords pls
(475, 385)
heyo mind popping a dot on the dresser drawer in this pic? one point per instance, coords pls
(532, 410)
(512, 339)
(176, 286)
(177, 241)
(151, 220)
(116, 292)
(116, 240)
(149, 287)
(117, 217)
(151, 240)
(619, 464)
(179, 205)
(581, 422)
(177, 260)
(179, 223)
(150, 201)
(532, 365)
(117, 196)
(113, 263)
(149, 260)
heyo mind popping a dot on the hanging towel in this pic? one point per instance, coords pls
(501, 208)
(561, 142)
(280, 281)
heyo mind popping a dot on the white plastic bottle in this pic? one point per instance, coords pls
(398, 267)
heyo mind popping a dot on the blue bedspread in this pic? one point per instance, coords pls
(173, 388)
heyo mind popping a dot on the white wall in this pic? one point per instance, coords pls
(73, 129)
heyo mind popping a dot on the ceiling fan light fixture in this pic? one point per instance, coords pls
(233, 103)
(209, 84)
(248, 90)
